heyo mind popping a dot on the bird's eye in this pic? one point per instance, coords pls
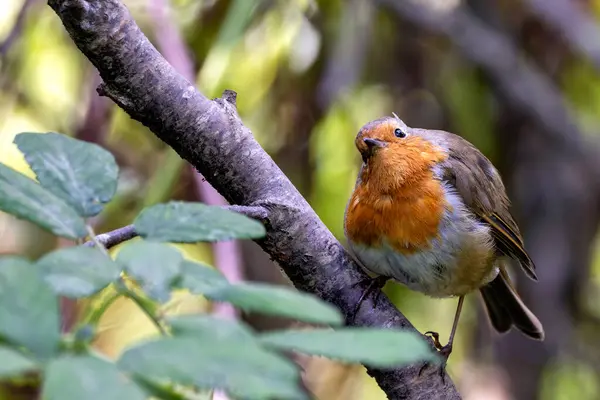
(399, 133)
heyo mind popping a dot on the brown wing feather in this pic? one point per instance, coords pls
(481, 188)
(509, 243)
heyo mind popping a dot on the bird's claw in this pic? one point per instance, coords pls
(443, 350)
(435, 337)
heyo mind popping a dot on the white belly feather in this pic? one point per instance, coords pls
(439, 271)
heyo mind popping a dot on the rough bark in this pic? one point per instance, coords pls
(210, 135)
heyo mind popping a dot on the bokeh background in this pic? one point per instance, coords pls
(518, 78)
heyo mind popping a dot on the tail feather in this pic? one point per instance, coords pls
(505, 308)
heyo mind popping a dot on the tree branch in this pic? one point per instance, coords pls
(210, 135)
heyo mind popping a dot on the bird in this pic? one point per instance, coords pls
(430, 211)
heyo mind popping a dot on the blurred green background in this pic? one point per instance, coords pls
(518, 78)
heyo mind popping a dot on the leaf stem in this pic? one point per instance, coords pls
(144, 305)
(94, 316)
(122, 289)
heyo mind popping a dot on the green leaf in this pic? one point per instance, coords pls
(25, 199)
(78, 271)
(182, 222)
(380, 348)
(199, 278)
(205, 327)
(156, 266)
(14, 363)
(277, 300)
(239, 367)
(29, 314)
(87, 377)
(82, 174)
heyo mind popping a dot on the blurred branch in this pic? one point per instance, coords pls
(169, 41)
(17, 28)
(527, 88)
(94, 126)
(210, 135)
(577, 27)
(345, 66)
(555, 197)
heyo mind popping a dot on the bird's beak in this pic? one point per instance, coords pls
(372, 145)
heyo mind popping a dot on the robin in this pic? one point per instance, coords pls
(430, 211)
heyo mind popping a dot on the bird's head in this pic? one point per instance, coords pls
(394, 152)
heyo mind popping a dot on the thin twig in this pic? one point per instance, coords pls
(111, 239)
(142, 305)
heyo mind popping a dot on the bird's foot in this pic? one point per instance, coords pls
(444, 351)
(435, 337)
(375, 284)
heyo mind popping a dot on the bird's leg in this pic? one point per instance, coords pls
(376, 283)
(447, 349)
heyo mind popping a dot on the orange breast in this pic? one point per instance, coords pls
(408, 218)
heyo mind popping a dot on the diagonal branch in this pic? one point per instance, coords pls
(346, 63)
(210, 135)
(526, 87)
(578, 27)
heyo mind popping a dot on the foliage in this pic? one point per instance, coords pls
(194, 352)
